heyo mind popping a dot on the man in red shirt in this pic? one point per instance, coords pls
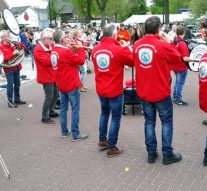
(109, 58)
(46, 76)
(66, 61)
(12, 73)
(181, 68)
(123, 34)
(203, 94)
(152, 57)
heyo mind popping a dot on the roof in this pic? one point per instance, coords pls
(39, 10)
(143, 18)
(20, 10)
(3, 5)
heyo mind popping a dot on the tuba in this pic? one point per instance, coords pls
(12, 24)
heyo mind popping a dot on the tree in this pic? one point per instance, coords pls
(84, 8)
(198, 7)
(175, 5)
(54, 10)
(102, 7)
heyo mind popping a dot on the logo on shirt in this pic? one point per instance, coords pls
(145, 56)
(103, 61)
(203, 70)
(54, 59)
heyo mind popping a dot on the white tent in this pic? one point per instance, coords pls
(143, 18)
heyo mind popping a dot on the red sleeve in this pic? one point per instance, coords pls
(77, 58)
(183, 49)
(43, 56)
(126, 56)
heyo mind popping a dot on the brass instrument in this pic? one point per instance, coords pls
(11, 22)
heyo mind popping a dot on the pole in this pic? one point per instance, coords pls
(50, 13)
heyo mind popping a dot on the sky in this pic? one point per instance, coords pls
(36, 3)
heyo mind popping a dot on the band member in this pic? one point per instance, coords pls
(65, 61)
(203, 94)
(46, 76)
(109, 58)
(12, 74)
(181, 68)
(152, 57)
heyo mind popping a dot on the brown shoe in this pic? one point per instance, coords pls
(114, 152)
(102, 145)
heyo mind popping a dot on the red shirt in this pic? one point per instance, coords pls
(109, 59)
(66, 63)
(183, 50)
(45, 72)
(7, 50)
(203, 83)
(152, 57)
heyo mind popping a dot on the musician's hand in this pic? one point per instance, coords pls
(123, 43)
(165, 37)
(15, 52)
(79, 44)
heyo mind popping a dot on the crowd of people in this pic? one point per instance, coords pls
(61, 62)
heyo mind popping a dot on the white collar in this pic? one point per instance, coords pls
(44, 47)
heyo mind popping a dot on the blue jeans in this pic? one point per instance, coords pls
(83, 72)
(73, 98)
(13, 85)
(165, 110)
(113, 105)
(179, 84)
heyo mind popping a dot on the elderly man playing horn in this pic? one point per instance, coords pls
(66, 61)
(12, 73)
(46, 75)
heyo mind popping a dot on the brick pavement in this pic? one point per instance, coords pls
(40, 160)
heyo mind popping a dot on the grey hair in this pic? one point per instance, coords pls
(48, 32)
(3, 33)
(58, 35)
(109, 30)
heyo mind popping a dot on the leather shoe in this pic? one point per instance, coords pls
(20, 102)
(54, 115)
(48, 121)
(172, 158)
(152, 157)
(114, 152)
(204, 122)
(102, 145)
(12, 105)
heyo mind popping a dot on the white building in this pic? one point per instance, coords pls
(26, 16)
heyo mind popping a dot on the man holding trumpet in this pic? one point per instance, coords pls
(66, 61)
(12, 74)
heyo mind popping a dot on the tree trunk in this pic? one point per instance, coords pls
(102, 6)
(166, 11)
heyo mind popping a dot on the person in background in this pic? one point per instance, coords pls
(152, 56)
(123, 34)
(46, 75)
(109, 58)
(66, 61)
(12, 74)
(136, 33)
(203, 30)
(181, 68)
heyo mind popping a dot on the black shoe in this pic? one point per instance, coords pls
(205, 158)
(172, 158)
(180, 102)
(152, 157)
(48, 121)
(204, 122)
(57, 107)
(20, 102)
(12, 105)
(53, 115)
